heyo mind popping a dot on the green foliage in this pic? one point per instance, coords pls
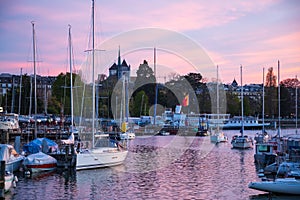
(233, 104)
(139, 105)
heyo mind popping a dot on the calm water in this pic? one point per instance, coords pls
(157, 167)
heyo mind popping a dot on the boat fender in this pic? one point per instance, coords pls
(16, 179)
(14, 184)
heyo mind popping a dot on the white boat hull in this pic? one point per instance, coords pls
(13, 160)
(14, 165)
(100, 157)
(242, 145)
(283, 186)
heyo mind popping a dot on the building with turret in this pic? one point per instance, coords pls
(120, 68)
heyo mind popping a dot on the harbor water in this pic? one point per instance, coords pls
(157, 167)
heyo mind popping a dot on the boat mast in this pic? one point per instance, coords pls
(279, 100)
(156, 88)
(296, 105)
(263, 103)
(13, 95)
(20, 95)
(71, 76)
(242, 102)
(93, 72)
(218, 101)
(30, 98)
(34, 67)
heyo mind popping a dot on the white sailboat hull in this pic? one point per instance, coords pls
(284, 186)
(100, 157)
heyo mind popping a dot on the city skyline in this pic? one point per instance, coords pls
(254, 34)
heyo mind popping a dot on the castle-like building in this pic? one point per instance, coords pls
(120, 69)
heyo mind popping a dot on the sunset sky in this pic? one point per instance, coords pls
(254, 34)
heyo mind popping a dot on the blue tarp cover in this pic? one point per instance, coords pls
(35, 145)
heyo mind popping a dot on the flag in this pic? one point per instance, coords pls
(185, 101)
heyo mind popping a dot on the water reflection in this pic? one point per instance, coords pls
(156, 167)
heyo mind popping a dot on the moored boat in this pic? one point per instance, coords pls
(242, 141)
(98, 155)
(9, 122)
(13, 160)
(39, 162)
(280, 185)
(218, 136)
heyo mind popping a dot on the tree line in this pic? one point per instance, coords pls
(201, 94)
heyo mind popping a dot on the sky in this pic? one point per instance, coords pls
(189, 36)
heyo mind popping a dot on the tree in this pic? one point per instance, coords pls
(270, 94)
(194, 79)
(139, 104)
(145, 75)
(233, 104)
(61, 94)
(146, 82)
(270, 78)
(288, 96)
(290, 83)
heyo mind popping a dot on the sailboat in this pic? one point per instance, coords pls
(217, 135)
(242, 141)
(99, 156)
(265, 148)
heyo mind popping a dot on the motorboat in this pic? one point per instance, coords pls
(9, 122)
(13, 160)
(218, 136)
(39, 162)
(242, 142)
(265, 153)
(266, 149)
(280, 185)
